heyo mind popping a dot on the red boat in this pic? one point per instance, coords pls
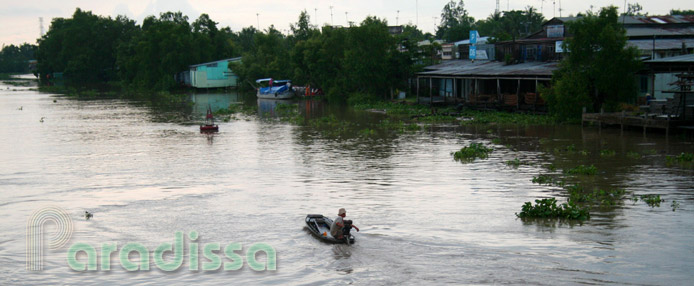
(209, 125)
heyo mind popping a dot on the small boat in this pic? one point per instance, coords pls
(319, 226)
(275, 89)
(209, 125)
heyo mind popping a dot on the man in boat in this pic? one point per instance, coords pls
(338, 229)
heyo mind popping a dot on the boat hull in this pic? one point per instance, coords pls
(280, 95)
(319, 226)
(209, 128)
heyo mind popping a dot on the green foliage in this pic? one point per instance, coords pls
(547, 208)
(652, 200)
(509, 25)
(633, 155)
(683, 159)
(582, 170)
(14, 59)
(607, 153)
(681, 12)
(83, 47)
(674, 205)
(472, 152)
(514, 163)
(598, 72)
(605, 198)
(543, 179)
(455, 22)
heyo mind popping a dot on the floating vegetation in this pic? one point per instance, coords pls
(514, 163)
(544, 141)
(551, 167)
(633, 155)
(611, 197)
(367, 132)
(544, 180)
(652, 200)
(683, 159)
(583, 153)
(582, 170)
(548, 208)
(496, 141)
(674, 205)
(472, 152)
(398, 126)
(607, 153)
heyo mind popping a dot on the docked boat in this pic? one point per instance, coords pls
(319, 226)
(275, 89)
(209, 125)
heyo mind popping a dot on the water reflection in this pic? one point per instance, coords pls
(216, 101)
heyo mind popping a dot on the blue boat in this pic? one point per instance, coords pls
(275, 89)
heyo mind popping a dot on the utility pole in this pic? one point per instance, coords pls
(331, 16)
(560, 8)
(416, 8)
(496, 11)
(346, 19)
(41, 25)
(315, 13)
(257, 17)
(397, 18)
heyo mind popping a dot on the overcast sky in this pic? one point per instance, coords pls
(19, 19)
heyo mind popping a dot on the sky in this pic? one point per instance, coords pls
(19, 19)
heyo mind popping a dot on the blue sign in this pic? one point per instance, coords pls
(473, 52)
(473, 37)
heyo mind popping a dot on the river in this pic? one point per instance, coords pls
(425, 219)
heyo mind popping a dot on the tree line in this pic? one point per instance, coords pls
(15, 59)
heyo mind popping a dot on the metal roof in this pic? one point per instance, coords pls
(661, 44)
(224, 60)
(677, 59)
(466, 68)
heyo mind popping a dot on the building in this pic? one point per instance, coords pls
(210, 75)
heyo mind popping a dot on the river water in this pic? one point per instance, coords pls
(425, 219)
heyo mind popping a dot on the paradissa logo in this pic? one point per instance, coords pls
(211, 251)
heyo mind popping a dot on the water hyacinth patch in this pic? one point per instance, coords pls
(582, 170)
(472, 152)
(548, 208)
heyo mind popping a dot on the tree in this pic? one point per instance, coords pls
(599, 71)
(455, 22)
(511, 24)
(15, 59)
(681, 12)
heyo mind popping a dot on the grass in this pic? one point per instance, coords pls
(548, 208)
(582, 170)
(472, 152)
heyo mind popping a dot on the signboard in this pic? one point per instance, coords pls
(473, 37)
(473, 52)
(555, 31)
(557, 47)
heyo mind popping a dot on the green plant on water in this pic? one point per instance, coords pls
(514, 163)
(472, 152)
(650, 152)
(496, 141)
(548, 208)
(367, 132)
(551, 167)
(543, 179)
(605, 198)
(683, 159)
(490, 131)
(674, 205)
(607, 153)
(583, 153)
(633, 155)
(582, 170)
(544, 141)
(413, 127)
(652, 200)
